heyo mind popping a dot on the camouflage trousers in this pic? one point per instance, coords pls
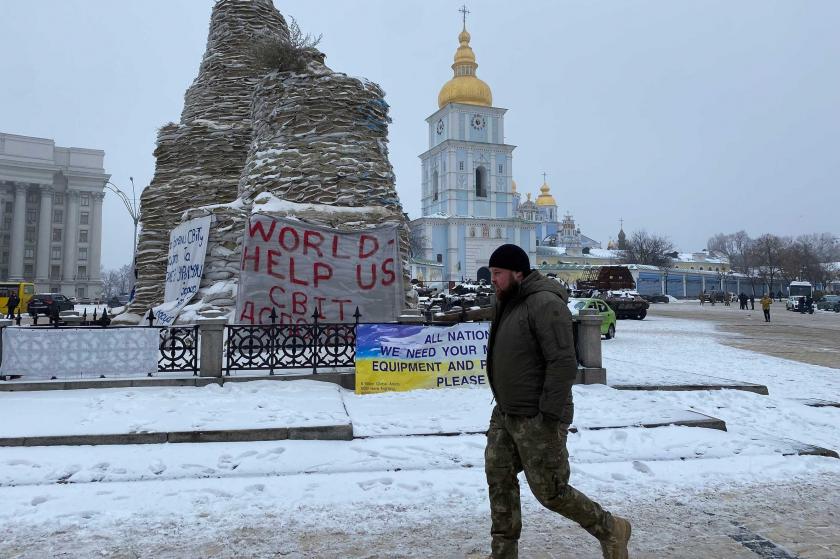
(537, 446)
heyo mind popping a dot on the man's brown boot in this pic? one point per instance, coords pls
(614, 546)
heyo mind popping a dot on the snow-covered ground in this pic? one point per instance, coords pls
(349, 499)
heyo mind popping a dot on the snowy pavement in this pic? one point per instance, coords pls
(690, 492)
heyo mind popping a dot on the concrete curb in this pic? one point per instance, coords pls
(318, 432)
(746, 387)
(345, 380)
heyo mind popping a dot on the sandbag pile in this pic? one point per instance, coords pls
(320, 137)
(308, 135)
(199, 161)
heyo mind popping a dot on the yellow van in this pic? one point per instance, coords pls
(25, 291)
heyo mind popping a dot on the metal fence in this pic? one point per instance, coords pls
(275, 346)
(179, 349)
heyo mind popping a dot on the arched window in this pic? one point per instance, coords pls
(481, 182)
(435, 184)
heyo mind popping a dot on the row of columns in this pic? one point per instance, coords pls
(45, 226)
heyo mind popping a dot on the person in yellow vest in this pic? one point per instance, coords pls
(765, 306)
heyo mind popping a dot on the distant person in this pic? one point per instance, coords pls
(531, 365)
(55, 312)
(780, 296)
(14, 301)
(766, 301)
(809, 304)
(703, 298)
(752, 303)
(742, 301)
(726, 297)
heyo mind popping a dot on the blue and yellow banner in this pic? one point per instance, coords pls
(401, 357)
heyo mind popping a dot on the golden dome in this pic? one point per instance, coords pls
(545, 199)
(465, 87)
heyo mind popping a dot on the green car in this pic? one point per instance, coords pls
(607, 314)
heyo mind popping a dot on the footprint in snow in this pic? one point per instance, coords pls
(157, 467)
(256, 488)
(20, 462)
(371, 483)
(38, 500)
(642, 467)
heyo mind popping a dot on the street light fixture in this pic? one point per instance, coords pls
(133, 211)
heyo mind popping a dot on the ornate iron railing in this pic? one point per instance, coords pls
(179, 346)
(290, 346)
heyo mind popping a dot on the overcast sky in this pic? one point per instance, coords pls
(682, 118)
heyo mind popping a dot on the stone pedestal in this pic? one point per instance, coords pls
(212, 335)
(589, 339)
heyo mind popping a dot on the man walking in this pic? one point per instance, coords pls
(531, 364)
(765, 306)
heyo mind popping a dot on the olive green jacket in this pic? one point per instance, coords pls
(531, 358)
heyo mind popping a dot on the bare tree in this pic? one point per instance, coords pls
(768, 253)
(290, 53)
(417, 242)
(646, 248)
(117, 282)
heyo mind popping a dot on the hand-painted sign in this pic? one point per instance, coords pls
(400, 357)
(294, 269)
(184, 267)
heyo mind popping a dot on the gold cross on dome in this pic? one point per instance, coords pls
(464, 11)
(544, 175)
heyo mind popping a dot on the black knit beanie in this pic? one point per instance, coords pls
(510, 257)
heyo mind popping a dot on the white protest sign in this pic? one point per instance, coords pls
(294, 268)
(184, 267)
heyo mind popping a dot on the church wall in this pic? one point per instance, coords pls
(482, 208)
(477, 135)
(440, 238)
(502, 206)
(462, 249)
(462, 126)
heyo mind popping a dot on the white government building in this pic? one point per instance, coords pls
(51, 215)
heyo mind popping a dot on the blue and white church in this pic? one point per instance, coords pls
(469, 203)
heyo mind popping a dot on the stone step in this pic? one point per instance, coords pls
(745, 386)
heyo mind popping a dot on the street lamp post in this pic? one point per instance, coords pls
(133, 210)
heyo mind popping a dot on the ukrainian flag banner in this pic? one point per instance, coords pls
(401, 357)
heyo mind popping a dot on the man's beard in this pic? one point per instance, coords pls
(510, 293)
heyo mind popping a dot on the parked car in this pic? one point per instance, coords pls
(829, 303)
(608, 319)
(40, 303)
(795, 302)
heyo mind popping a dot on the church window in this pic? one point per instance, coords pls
(439, 258)
(435, 184)
(460, 165)
(472, 231)
(481, 182)
(501, 169)
(485, 231)
(498, 233)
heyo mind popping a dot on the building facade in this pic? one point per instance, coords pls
(51, 215)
